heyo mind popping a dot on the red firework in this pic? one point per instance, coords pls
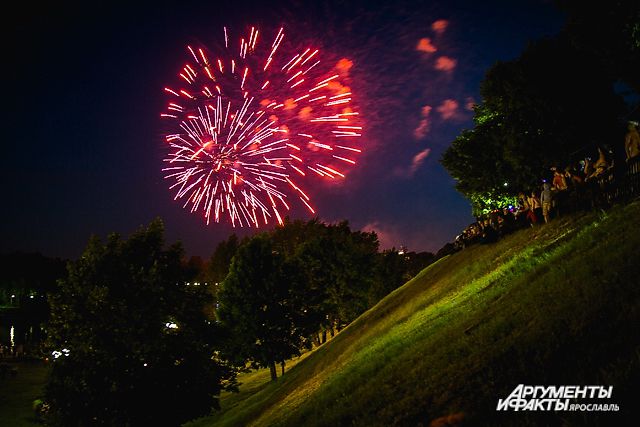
(249, 127)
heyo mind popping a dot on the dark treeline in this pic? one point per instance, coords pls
(286, 290)
(140, 334)
(28, 274)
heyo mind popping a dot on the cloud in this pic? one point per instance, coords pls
(440, 25)
(469, 103)
(387, 235)
(425, 45)
(425, 124)
(444, 63)
(426, 110)
(418, 160)
(423, 129)
(448, 109)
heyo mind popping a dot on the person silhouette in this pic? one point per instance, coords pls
(545, 200)
(632, 146)
(632, 154)
(600, 166)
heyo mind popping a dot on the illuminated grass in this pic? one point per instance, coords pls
(556, 304)
(17, 394)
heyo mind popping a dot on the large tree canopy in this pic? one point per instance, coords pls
(542, 109)
(287, 286)
(260, 303)
(610, 30)
(131, 344)
(341, 264)
(219, 263)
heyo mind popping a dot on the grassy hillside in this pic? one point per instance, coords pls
(554, 305)
(18, 392)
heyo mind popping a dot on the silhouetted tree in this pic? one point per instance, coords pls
(341, 264)
(535, 113)
(610, 31)
(391, 272)
(395, 268)
(261, 304)
(220, 261)
(131, 343)
(25, 274)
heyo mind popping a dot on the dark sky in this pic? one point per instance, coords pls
(82, 141)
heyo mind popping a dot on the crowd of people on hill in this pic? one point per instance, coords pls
(579, 186)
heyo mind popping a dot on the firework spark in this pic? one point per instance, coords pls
(252, 124)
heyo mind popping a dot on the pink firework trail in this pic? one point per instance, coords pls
(252, 124)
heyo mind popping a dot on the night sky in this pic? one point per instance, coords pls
(83, 91)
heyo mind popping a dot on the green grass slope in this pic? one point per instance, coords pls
(18, 392)
(554, 305)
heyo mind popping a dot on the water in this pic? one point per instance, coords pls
(19, 334)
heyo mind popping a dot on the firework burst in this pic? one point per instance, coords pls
(252, 124)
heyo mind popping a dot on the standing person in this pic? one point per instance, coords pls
(545, 199)
(560, 190)
(559, 180)
(535, 208)
(572, 177)
(632, 143)
(632, 153)
(522, 212)
(574, 188)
